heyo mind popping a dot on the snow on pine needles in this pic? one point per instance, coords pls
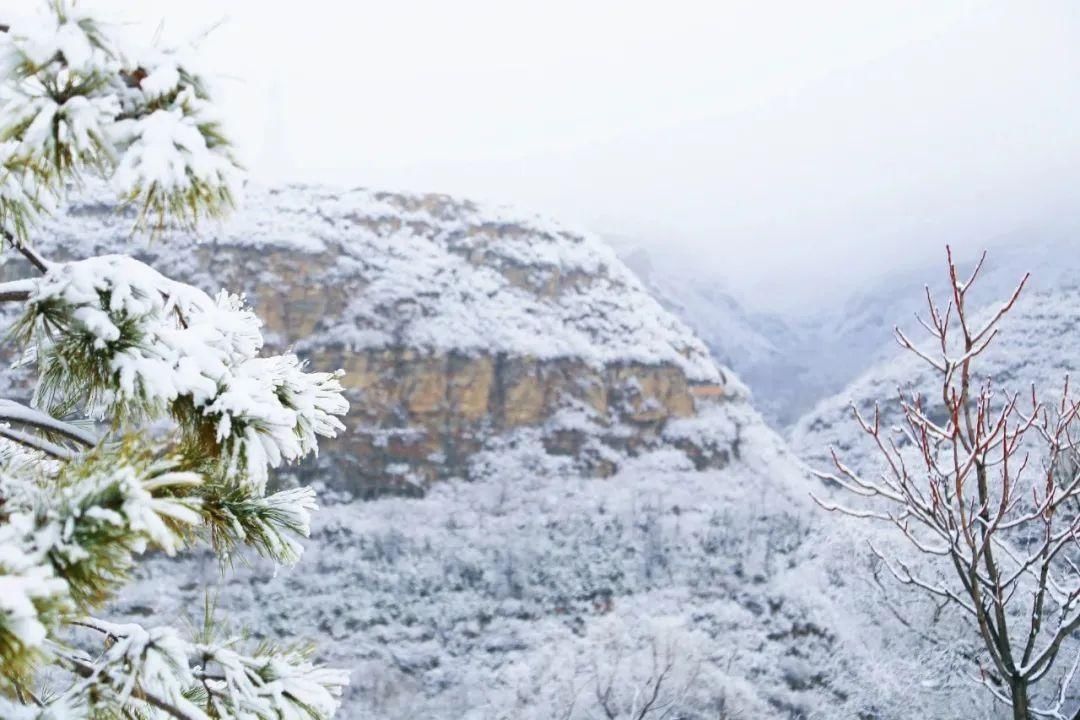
(155, 420)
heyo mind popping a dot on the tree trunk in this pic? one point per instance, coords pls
(1018, 689)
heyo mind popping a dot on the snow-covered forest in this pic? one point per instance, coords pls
(278, 447)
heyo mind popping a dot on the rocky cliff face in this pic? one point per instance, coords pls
(457, 327)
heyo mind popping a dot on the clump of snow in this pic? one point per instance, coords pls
(184, 344)
(76, 98)
(24, 581)
(37, 537)
(158, 662)
(166, 150)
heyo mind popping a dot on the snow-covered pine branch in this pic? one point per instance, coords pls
(75, 101)
(69, 539)
(156, 419)
(115, 339)
(147, 669)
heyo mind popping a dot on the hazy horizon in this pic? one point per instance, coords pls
(790, 151)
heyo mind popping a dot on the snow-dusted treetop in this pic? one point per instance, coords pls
(77, 101)
(155, 419)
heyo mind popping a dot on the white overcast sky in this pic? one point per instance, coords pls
(782, 145)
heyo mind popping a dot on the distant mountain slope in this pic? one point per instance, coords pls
(457, 325)
(846, 340)
(737, 335)
(1039, 343)
(762, 348)
(792, 361)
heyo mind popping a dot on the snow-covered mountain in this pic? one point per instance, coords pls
(1039, 341)
(458, 326)
(763, 348)
(791, 361)
(605, 507)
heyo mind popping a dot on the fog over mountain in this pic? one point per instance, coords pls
(795, 150)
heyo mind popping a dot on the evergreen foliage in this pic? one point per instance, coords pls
(155, 419)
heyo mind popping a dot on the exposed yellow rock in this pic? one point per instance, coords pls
(593, 391)
(423, 386)
(523, 394)
(371, 378)
(470, 385)
(707, 391)
(652, 394)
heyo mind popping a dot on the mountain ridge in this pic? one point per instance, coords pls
(457, 325)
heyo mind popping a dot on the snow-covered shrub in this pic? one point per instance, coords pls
(155, 419)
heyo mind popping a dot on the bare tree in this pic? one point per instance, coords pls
(658, 696)
(986, 481)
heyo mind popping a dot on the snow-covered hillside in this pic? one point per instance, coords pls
(456, 324)
(1039, 343)
(426, 271)
(532, 591)
(605, 504)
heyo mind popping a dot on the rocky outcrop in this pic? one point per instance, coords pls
(455, 325)
(431, 413)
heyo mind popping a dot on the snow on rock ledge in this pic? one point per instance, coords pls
(457, 325)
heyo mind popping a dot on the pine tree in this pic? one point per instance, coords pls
(156, 419)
